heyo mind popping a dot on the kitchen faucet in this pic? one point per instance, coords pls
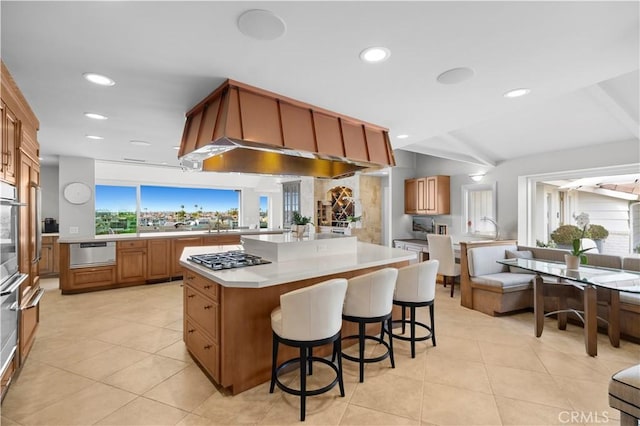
(488, 219)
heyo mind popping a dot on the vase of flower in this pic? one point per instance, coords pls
(572, 262)
(578, 256)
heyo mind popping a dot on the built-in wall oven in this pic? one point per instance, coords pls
(10, 278)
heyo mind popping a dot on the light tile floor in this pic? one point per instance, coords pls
(116, 357)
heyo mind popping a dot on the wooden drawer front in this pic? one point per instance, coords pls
(29, 318)
(204, 349)
(7, 376)
(131, 244)
(210, 289)
(203, 311)
(91, 277)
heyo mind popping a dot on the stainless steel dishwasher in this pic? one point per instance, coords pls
(97, 253)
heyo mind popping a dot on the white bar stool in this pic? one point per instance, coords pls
(369, 299)
(306, 318)
(416, 287)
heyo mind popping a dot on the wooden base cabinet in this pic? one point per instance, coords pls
(158, 259)
(177, 246)
(131, 260)
(49, 262)
(202, 322)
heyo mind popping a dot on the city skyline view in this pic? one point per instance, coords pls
(166, 199)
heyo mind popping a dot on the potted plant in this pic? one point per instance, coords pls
(577, 255)
(353, 220)
(299, 224)
(598, 233)
(564, 235)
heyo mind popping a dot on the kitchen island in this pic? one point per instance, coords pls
(227, 322)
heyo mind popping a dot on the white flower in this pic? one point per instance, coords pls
(582, 220)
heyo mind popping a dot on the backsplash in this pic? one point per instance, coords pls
(423, 225)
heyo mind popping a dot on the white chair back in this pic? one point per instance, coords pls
(314, 312)
(441, 249)
(417, 282)
(588, 243)
(371, 295)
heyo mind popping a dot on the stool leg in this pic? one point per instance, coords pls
(361, 332)
(303, 382)
(274, 361)
(403, 318)
(393, 363)
(433, 324)
(413, 331)
(338, 350)
(310, 361)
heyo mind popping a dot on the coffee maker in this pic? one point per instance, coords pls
(50, 225)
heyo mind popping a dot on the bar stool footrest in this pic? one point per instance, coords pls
(408, 339)
(308, 392)
(368, 360)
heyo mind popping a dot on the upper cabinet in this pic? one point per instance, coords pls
(427, 195)
(10, 135)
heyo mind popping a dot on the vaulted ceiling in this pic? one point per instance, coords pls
(580, 60)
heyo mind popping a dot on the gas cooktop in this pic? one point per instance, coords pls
(227, 260)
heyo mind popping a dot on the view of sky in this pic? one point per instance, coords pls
(162, 198)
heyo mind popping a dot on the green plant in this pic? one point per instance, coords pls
(565, 234)
(576, 245)
(298, 219)
(353, 219)
(597, 232)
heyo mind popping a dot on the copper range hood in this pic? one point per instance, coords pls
(240, 128)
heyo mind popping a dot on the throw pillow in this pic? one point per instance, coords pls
(523, 254)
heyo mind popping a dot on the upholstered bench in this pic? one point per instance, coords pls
(496, 289)
(624, 395)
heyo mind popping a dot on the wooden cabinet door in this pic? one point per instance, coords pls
(410, 196)
(46, 263)
(421, 195)
(131, 261)
(10, 143)
(178, 245)
(158, 259)
(438, 195)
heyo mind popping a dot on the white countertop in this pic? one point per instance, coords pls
(170, 234)
(366, 255)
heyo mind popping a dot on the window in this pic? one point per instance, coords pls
(165, 207)
(264, 212)
(290, 201)
(479, 210)
(116, 209)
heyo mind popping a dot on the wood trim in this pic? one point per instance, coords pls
(15, 100)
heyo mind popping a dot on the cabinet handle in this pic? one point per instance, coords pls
(208, 306)
(191, 331)
(190, 277)
(207, 287)
(207, 347)
(191, 295)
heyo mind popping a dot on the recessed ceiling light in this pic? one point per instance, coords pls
(374, 55)
(95, 116)
(402, 136)
(261, 24)
(516, 93)
(455, 75)
(102, 80)
(176, 147)
(140, 143)
(94, 137)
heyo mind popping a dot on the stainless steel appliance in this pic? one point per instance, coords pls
(10, 278)
(9, 212)
(227, 260)
(97, 253)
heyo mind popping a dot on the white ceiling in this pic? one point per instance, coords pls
(580, 59)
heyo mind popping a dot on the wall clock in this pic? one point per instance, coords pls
(77, 193)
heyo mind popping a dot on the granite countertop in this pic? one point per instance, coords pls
(171, 234)
(310, 266)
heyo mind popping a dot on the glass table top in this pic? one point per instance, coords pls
(615, 279)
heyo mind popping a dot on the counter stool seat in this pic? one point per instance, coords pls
(624, 394)
(415, 288)
(307, 318)
(369, 299)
